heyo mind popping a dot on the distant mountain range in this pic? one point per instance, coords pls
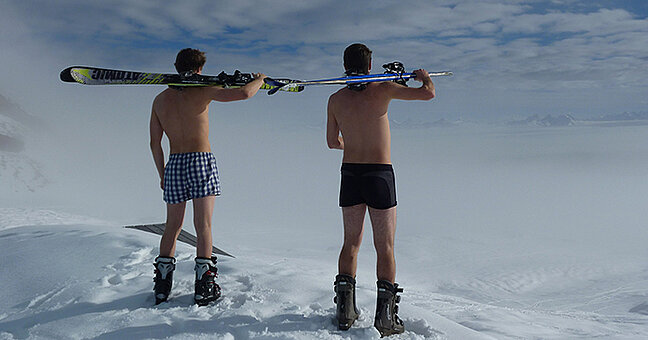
(548, 120)
(625, 118)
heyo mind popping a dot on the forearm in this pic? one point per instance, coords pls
(251, 88)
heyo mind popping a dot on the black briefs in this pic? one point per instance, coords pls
(372, 184)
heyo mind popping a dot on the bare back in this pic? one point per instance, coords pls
(183, 116)
(364, 124)
(361, 118)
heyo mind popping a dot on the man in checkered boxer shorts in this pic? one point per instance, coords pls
(190, 175)
(191, 172)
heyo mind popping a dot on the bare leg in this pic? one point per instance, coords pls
(383, 223)
(203, 209)
(175, 216)
(353, 226)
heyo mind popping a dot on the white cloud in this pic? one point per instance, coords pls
(509, 45)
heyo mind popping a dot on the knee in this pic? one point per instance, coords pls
(173, 225)
(202, 226)
(384, 249)
(351, 249)
(353, 243)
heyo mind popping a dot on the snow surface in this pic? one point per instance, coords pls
(503, 233)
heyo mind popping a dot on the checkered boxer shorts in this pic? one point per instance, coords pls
(190, 175)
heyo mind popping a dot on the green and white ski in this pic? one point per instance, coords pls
(102, 76)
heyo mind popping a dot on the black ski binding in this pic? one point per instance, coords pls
(398, 68)
(236, 79)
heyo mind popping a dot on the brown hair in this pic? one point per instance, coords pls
(189, 60)
(357, 58)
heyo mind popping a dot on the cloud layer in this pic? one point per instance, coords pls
(531, 49)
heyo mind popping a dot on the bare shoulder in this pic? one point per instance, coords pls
(338, 93)
(161, 96)
(337, 96)
(390, 86)
(394, 90)
(158, 99)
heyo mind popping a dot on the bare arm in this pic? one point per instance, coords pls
(156, 133)
(425, 92)
(241, 93)
(333, 138)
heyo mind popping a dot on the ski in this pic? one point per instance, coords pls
(280, 84)
(394, 71)
(185, 237)
(102, 76)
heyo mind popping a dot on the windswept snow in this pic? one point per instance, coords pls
(504, 233)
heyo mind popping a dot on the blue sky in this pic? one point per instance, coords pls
(510, 58)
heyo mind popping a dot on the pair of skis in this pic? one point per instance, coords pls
(88, 75)
(102, 76)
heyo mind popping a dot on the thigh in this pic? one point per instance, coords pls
(175, 215)
(383, 223)
(203, 208)
(353, 217)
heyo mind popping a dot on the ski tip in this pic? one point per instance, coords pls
(66, 75)
(274, 90)
(272, 82)
(286, 85)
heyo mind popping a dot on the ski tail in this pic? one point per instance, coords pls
(185, 237)
(66, 75)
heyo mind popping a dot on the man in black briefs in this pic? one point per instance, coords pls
(359, 114)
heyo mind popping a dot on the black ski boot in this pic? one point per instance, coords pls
(206, 289)
(164, 267)
(347, 312)
(387, 321)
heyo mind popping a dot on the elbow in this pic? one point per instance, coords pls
(334, 144)
(430, 94)
(247, 94)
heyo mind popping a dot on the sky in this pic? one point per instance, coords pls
(511, 58)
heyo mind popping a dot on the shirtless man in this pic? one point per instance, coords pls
(359, 113)
(191, 172)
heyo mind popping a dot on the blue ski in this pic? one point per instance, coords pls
(282, 84)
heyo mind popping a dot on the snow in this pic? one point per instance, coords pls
(503, 233)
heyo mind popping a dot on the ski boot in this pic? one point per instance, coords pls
(164, 267)
(387, 321)
(206, 289)
(347, 312)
